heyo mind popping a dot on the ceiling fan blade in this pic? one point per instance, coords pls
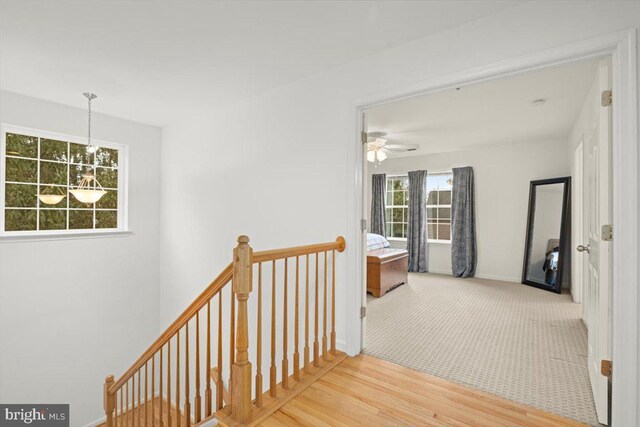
(375, 135)
(401, 147)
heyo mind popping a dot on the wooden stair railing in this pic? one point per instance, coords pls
(158, 388)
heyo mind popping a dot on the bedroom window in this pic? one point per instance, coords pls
(41, 163)
(397, 206)
(439, 187)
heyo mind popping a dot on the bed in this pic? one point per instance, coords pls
(386, 267)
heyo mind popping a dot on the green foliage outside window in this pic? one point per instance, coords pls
(48, 166)
(20, 219)
(53, 219)
(22, 146)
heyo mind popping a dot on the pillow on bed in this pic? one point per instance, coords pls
(376, 241)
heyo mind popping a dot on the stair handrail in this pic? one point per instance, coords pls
(274, 254)
(239, 273)
(216, 285)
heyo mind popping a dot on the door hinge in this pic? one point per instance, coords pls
(607, 98)
(606, 368)
(363, 224)
(363, 137)
(363, 312)
(607, 232)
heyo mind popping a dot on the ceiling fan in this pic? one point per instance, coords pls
(378, 149)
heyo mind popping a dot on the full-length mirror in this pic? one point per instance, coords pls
(546, 257)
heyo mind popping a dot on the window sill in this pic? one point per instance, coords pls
(77, 235)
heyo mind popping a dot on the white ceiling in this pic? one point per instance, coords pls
(151, 60)
(492, 113)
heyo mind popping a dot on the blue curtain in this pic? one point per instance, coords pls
(417, 222)
(463, 224)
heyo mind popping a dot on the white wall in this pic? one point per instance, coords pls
(502, 176)
(276, 166)
(74, 310)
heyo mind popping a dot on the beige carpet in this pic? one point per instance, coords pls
(512, 340)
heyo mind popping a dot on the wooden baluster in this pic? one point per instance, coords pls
(160, 389)
(187, 402)
(316, 345)
(133, 404)
(307, 366)
(109, 402)
(272, 369)
(178, 378)
(296, 356)
(207, 393)
(139, 388)
(232, 344)
(146, 393)
(325, 356)
(333, 302)
(121, 417)
(126, 404)
(197, 401)
(153, 392)
(240, 386)
(285, 360)
(259, 342)
(219, 385)
(169, 383)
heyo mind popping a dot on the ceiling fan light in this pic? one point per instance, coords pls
(382, 156)
(371, 156)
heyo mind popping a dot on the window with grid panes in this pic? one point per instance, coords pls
(397, 206)
(439, 187)
(42, 163)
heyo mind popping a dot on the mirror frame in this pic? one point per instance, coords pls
(565, 224)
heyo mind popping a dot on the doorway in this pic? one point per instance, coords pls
(621, 54)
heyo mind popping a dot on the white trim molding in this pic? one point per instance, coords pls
(621, 46)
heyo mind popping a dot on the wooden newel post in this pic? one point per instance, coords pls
(109, 402)
(241, 370)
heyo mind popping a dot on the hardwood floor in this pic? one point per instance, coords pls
(141, 416)
(367, 391)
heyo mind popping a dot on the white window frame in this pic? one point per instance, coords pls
(395, 206)
(444, 241)
(404, 239)
(123, 185)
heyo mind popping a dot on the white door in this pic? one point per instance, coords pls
(578, 230)
(598, 213)
(366, 185)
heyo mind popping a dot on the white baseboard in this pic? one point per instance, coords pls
(483, 276)
(97, 422)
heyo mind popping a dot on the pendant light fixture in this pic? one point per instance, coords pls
(51, 199)
(89, 190)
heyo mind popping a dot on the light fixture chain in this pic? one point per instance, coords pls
(89, 130)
